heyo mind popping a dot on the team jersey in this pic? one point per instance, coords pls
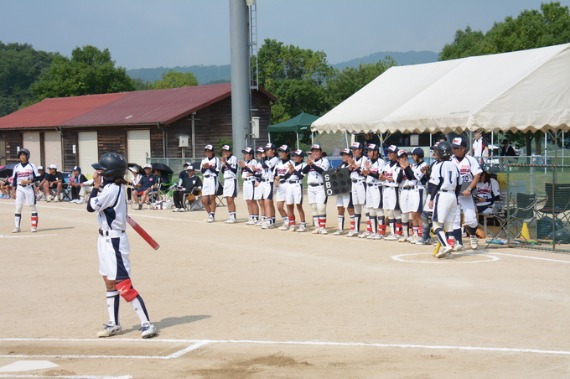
(249, 170)
(230, 168)
(375, 169)
(27, 171)
(111, 206)
(418, 169)
(468, 167)
(214, 162)
(268, 167)
(445, 175)
(391, 171)
(361, 162)
(313, 174)
(297, 173)
(282, 168)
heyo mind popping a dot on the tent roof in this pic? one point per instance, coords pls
(525, 90)
(298, 123)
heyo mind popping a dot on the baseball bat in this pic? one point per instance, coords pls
(145, 236)
(437, 247)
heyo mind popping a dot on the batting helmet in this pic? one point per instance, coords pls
(443, 150)
(24, 151)
(114, 166)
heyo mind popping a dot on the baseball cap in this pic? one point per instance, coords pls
(458, 142)
(402, 152)
(134, 169)
(40, 167)
(52, 166)
(209, 147)
(298, 153)
(283, 148)
(260, 150)
(269, 146)
(76, 168)
(148, 165)
(392, 149)
(316, 147)
(186, 164)
(418, 151)
(372, 146)
(247, 150)
(190, 167)
(432, 148)
(356, 145)
(227, 148)
(346, 151)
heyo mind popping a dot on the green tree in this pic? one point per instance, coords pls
(530, 29)
(173, 79)
(20, 66)
(348, 81)
(88, 71)
(296, 76)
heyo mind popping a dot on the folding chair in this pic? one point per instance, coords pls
(498, 214)
(557, 201)
(65, 187)
(193, 202)
(524, 213)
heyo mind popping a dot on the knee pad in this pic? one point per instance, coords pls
(126, 290)
(322, 209)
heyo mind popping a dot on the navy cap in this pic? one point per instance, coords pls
(247, 150)
(392, 149)
(76, 168)
(356, 145)
(298, 153)
(316, 147)
(283, 148)
(346, 151)
(260, 150)
(458, 142)
(402, 153)
(227, 148)
(209, 147)
(269, 146)
(372, 146)
(418, 151)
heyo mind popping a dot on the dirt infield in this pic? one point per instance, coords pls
(235, 301)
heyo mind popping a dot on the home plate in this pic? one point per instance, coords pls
(27, 366)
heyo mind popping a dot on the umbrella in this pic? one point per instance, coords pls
(162, 168)
(134, 165)
(6, 171)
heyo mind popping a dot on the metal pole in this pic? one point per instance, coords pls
(193, 136)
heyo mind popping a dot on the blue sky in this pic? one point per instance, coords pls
(153, 33)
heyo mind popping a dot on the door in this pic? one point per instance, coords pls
(138, 146)
(87, 150)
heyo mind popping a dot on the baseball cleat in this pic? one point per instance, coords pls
(422, 241)
(337, 233)
(16, 230)
(231, 221)
(148, 331)
(33, 230)
(391, 237)
(474, 243)
(375, 236)
(352, 233)
(323, 231)
(250, 222)
(444, 251)
(284, 227)
(302, 228)
(108, 330)
(81, 201)
(292, 228)
(363, 234)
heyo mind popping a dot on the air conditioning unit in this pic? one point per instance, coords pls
(183, 141)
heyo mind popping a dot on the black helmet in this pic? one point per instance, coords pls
(114, 166)
(24, 151)
(443, 150)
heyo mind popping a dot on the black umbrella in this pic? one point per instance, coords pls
(6, 171)
(162, 168)
(134, 165)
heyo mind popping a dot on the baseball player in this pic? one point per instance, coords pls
(23, 177)
(427, 212)
(280, 183)
(210, 168)
(259, 157)
(470, 172)
(266, 185)
(418, 195)
(443, 188)
(372, 169)
(316, 165)
(248, 167)
(409, 195)
(108, 198)
(390, 196)
(229, 168)
(358, 190)
(344, 200)
(294, 192)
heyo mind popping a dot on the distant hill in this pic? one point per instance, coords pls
(220, 74)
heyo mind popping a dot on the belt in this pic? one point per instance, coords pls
(282, 181)
(315, 184)
(24, 185)
(248, 179)
(267, 180)
(373, 184)
(111, 233)
(209, 176)
(447, 190)
(408, 188)
(357, 180)
(293, 181)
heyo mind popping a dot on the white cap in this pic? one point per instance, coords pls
(52, 166)
(148, 165)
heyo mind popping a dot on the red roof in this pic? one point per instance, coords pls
(55, 112)
(156, 106)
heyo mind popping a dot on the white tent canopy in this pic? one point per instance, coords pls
(525, 90)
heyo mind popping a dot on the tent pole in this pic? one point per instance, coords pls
(297, 134)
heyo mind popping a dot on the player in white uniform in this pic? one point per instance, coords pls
(358, 189)
(259, 157)
(344, 200)
(418, 195)
(390, 198)
(108, 198)
(443, 187)
(316, 165)
(294, 193)
(266, 185)
(229, 168)
(372, 169)
(470, 172)
(280, 183)
(409, 202)
(23, 177)
(210, 168)
(248, 167)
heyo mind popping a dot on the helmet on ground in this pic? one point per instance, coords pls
(114, 166)
(443, 150)
(24, 151)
